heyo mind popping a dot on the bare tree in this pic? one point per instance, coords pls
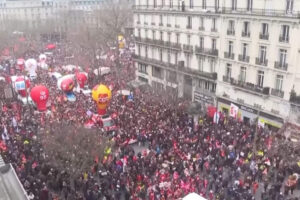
(73, 149)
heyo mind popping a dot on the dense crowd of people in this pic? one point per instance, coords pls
(179, 156)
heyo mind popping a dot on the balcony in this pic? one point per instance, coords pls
(173, 67)
(247, 87)
(260, 61)
(160, 24)
(264, 36)
(212, 9)
(201, 28)
(202, 51)
(188, 48)
(138, 22)
(188, 27)
(214, 30)
(229, 55)
(168, 25)
(277, 93)
(153, 23)
(177, 26)
(281, 66)
(146, 23)
(160, 43)
(245, 34)
(244, 58)
(284, 39)
(230, 32)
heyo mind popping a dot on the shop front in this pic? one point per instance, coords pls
(249, 114)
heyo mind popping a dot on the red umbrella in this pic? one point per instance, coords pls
(51, 46)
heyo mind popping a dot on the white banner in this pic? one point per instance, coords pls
(233, 110)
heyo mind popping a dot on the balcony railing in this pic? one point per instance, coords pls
(230, 32)
(281, 66)
(245, 34)
(264, 36)
(188, 48)
(260, 61)
(201, 50)
(247, 86)
(146, 23)
(244, 58)
(161, 43)
(160, 24)
(138, 22)
(223, 10)
(284, 39)
(229, 55)
(153, 23)
(168, 25)
(276, 92)
(190, 71)
(201, 28)
(177, 26)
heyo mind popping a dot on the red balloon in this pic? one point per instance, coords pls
(67, 85)
(81, 79)
(40, 94)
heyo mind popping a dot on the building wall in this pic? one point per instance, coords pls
(171, 17)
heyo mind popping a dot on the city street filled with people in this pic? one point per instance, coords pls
(159, 152)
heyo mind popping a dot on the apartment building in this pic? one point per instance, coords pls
(241, 52)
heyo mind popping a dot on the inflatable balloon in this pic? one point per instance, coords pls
(101, 94)
(67, 85)
(21, 85)
(30, 66)
(81, 78)
(42, 61)
(40, 94)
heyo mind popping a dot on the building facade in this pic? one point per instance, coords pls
(241, 52)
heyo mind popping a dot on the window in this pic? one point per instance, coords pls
(189, 22)
(161, 37)
(191, 4)
(160, 55)
(169, 37)
(213, 27)
(146, 51)
(171, 3)
(282, 57)
(246, 31)
(168, 21)
(262, 54)
(189, 40)
(142, 68)
(153, 35)
(154, 3)
(177, 38)
(139, 33)
(212, 65)
(138, 19)
(206, 85)
(147, 3)
(230, 47)
(279, 82)
(231, 26)
(139, 50)
(203, 4)
(213, 44)
(201, 43)
(265, 29)
(242, 76)
(200, 63)
(160, 19)
(260, 79)
(188, 60)
(176, 58)
(201, 22)
(169, 56)
(162, 3)
(233, 4)
(289, 6)
(217, 5)
(152, 19)
(146, 33)
(285, 29)
(245, 49)
(228, 70)
(249, 5)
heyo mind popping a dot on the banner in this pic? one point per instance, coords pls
(233, 110)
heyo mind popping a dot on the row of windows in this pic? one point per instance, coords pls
(242, 77)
